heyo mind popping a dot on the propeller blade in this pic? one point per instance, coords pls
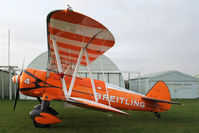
(22, 67)
(17, 92)
(16, 97)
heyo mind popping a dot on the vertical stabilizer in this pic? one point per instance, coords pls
(159, 96)
(159, 91)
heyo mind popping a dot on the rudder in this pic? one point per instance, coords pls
(160, 91)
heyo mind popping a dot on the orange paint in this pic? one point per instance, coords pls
(46, 118)
(77, 18)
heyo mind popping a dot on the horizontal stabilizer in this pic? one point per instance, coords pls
(93, 105)
(158, 100)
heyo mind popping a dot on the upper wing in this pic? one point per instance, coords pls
(72, 31)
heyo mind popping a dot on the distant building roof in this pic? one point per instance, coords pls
(165, 74)
(40, 62)
(196, 75)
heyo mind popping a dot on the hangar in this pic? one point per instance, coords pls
(111, 72)
(4, 85)
(196, 75)
(181, 85)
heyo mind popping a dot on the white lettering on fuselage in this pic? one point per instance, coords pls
(112, 99)
(121, 100)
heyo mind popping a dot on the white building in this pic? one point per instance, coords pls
(4, 85)
(181, 86)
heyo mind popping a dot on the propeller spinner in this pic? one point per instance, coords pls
(16, 79)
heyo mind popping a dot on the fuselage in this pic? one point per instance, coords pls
(36, 83)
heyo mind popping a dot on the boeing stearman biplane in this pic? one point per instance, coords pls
(73, 40)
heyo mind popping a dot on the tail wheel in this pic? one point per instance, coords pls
(157, 115)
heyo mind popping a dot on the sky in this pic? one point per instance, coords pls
(151, 36)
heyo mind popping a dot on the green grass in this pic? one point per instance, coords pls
(180, 119)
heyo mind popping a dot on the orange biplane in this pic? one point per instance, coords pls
(73, 40)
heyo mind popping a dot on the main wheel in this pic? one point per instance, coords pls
(33, 114)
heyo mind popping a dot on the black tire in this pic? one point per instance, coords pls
(157, 115)
(40, 125)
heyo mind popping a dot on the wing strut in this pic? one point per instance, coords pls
(83, 50)
(75, 72)
(105, 82)
(67, 70)
(59, 66)
(90, 74)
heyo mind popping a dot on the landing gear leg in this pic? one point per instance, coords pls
(157, 115)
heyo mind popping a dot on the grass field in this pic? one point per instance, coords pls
(180, 119)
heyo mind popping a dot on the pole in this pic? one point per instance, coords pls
(9, 68)
(139, 81)
(8, 47)
(2, 91)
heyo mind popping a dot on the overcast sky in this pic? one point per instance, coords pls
(151, 35)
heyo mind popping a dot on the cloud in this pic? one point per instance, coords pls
(151, 36)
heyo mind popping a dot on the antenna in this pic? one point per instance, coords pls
(69, 9)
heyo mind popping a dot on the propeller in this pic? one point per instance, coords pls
(16, 79)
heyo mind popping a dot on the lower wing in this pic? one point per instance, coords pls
(93, 105)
